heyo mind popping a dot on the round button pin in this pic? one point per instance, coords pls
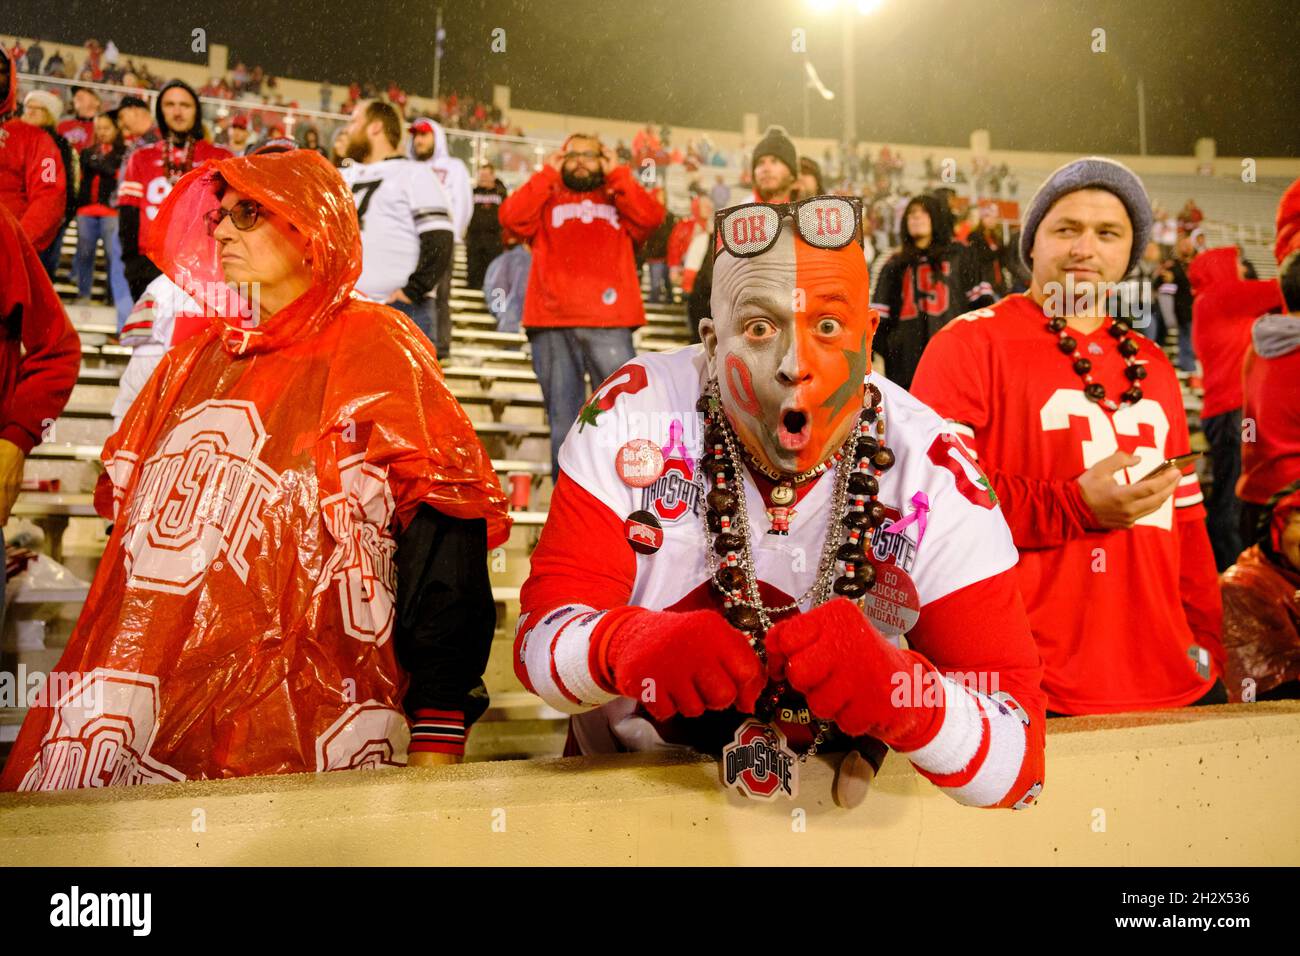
(644, 532)
(639, 463)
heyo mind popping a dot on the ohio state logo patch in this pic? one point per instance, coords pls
(199, 500)
(674, 493)
(758, 763)
(361, 565)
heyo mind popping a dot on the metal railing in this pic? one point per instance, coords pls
(514, 157)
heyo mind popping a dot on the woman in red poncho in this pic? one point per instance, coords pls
(1261, 607)
(297, 575)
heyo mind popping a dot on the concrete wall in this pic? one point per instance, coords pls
(1193, 787)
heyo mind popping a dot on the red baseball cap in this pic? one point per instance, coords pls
(422, 125)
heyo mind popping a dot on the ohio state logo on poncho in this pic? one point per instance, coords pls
(199, 498)
(758, 763)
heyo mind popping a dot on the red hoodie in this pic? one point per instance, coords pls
(32, 178)
(40, 353)
(1271, 460)
(584, 272)
(1223, 311)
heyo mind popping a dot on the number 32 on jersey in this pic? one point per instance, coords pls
(1104, 431)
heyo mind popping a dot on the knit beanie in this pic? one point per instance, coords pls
(776, 142)
(1091, 172)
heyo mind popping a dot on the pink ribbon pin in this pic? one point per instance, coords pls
(920, 509)
(675, 443)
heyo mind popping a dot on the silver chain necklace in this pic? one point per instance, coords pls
(820, 589)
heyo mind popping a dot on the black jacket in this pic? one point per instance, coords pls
(445, 616)
(99, 175)
(918, 293)
(484, 224)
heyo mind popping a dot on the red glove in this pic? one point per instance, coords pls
(676, 663)
(845, 670)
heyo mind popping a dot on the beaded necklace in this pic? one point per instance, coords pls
(1094, 390)
(855, 510)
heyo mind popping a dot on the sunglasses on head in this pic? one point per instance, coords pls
(823, 222)
(245, 214)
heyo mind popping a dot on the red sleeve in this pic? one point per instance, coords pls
(1259, 297)
(1040, 514)
(46, 192)
(583, 561)
(979, 637)
(640, 211)
(1198, 582)
(679, 240)
(521, 211)
(953, 376)
(51, 350)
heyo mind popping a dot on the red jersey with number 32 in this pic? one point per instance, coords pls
(1105, 607)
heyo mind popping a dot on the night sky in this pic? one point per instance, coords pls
(928, 71)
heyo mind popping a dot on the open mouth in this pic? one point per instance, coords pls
(793, 432)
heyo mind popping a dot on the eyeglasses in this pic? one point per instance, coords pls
(585, 154)
(824, 222)
(245, 214)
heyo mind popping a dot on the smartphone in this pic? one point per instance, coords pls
(1181, 462)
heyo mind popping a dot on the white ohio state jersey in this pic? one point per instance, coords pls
(397, 200)
(965, 540)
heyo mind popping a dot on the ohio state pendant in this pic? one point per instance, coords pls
(758, 763)
(782, 495)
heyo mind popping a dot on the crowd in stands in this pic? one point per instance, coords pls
(102, 63)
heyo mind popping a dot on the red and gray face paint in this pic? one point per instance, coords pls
(794, 328)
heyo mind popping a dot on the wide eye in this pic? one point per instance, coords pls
(829, 326)
(759, 328)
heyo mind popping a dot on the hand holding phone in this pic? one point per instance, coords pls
(1180, 462)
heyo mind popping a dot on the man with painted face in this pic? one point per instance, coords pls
(747, 526)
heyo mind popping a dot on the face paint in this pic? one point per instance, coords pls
(793, 381)
(741, 385)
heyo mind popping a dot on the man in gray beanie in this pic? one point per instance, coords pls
(1071, 417)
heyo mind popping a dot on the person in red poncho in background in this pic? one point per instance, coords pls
(1261, 591)
(1225, 307)
(297, 575)
(1261, 607)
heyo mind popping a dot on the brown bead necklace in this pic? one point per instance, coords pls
(1094, 390)
(855, 511)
